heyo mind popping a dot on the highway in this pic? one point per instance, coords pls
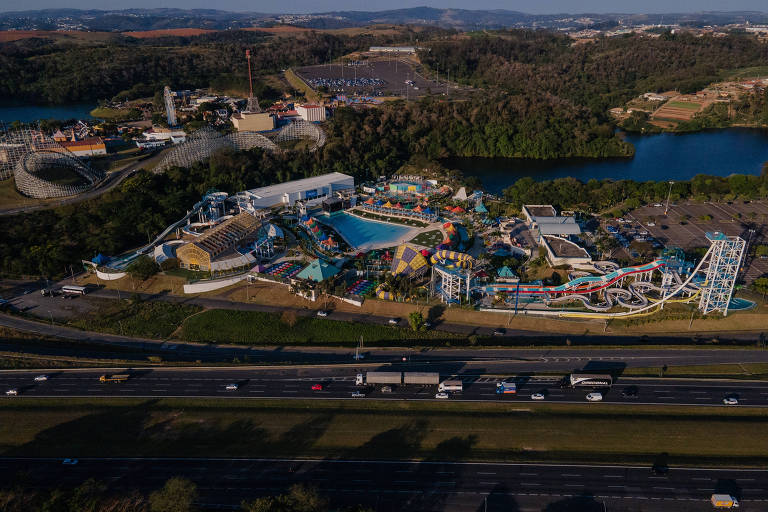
(475, 359)
(290, 383)
(415, 486)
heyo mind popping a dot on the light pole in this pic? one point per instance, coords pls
(666, 210)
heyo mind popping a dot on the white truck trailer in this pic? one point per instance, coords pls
(424, 378)
(363, 379)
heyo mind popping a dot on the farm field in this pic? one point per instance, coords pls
(180, 32)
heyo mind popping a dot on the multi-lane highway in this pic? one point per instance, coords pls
(415, 486)
(340, 384)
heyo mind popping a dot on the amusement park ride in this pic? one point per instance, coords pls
(632, 290)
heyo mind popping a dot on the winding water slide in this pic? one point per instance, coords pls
(633, 299)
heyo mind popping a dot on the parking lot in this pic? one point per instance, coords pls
(373, 78)
(687, 223)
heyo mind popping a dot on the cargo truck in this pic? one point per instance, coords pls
(119, 377)
(506, 388)
(378, 378)
(454, 386)
(724, 501)
(424, 378)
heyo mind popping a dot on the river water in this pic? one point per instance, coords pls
(657, 157)
(30, 113)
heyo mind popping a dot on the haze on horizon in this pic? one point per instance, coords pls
(314, 6)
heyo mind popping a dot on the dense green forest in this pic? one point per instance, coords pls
(41, 70)
(600, 74)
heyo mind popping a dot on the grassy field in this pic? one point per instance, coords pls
(750, 371)
(382, 430)
(253, 327)
(299, 84)
(683, 104)
(131, 318)
(115, 115)
(429, 238)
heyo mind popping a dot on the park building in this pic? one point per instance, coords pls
(253, 121)
(543, 220)
(311, 113)
(216, 249)
(313, 189)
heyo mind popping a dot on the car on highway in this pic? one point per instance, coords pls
(730, 400)
(427, 325)
(358, 394)
(659, 469)
(41, 378)
(442, 395)
(317, 387)
(357, 357)
(232, 387)
(629, 392)
(499, 332)
(386, 389)
(322, 313)
(69, 462)
(537, 396)
(595, 397)
(12, 392)
(393, 321)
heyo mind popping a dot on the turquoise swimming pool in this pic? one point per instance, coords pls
(367, 234)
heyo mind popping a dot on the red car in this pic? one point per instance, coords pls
(317, 387)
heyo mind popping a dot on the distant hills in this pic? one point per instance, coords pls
(462, 19)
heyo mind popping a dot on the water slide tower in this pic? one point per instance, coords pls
(170, 108)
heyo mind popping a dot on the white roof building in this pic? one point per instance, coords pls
(291, 191)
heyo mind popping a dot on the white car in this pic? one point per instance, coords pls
(322, 313)
(12, 392)
(729, 400)
(442, 395)
(41, 378)
(232, 387)
(392, 321)
(358, 394)
(537, 396)
(595, 397)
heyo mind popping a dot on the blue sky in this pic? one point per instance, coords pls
(539, 6)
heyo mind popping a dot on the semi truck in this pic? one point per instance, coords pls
(506, 388)
(118, 377)
(453, 386)
(424, 378)
(363, 379)
(724, 501)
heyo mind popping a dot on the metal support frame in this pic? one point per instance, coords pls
(724, 261)
(170, 108)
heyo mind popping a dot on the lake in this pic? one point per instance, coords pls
(29, 113)
(657, 157)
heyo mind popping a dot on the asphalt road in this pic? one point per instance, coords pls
(415, 486)
(290, 383)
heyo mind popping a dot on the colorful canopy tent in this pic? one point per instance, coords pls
(370, 201)
(418, 209)
(387, 205)
(318, 271)
(480, 208)
(329, 242)
(398, 205)
(458, 209)
(506, 273)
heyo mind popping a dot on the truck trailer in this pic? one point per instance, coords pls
(119, 377)
(454, 386)
(724, 501)
(378, 378)
(424, 378)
